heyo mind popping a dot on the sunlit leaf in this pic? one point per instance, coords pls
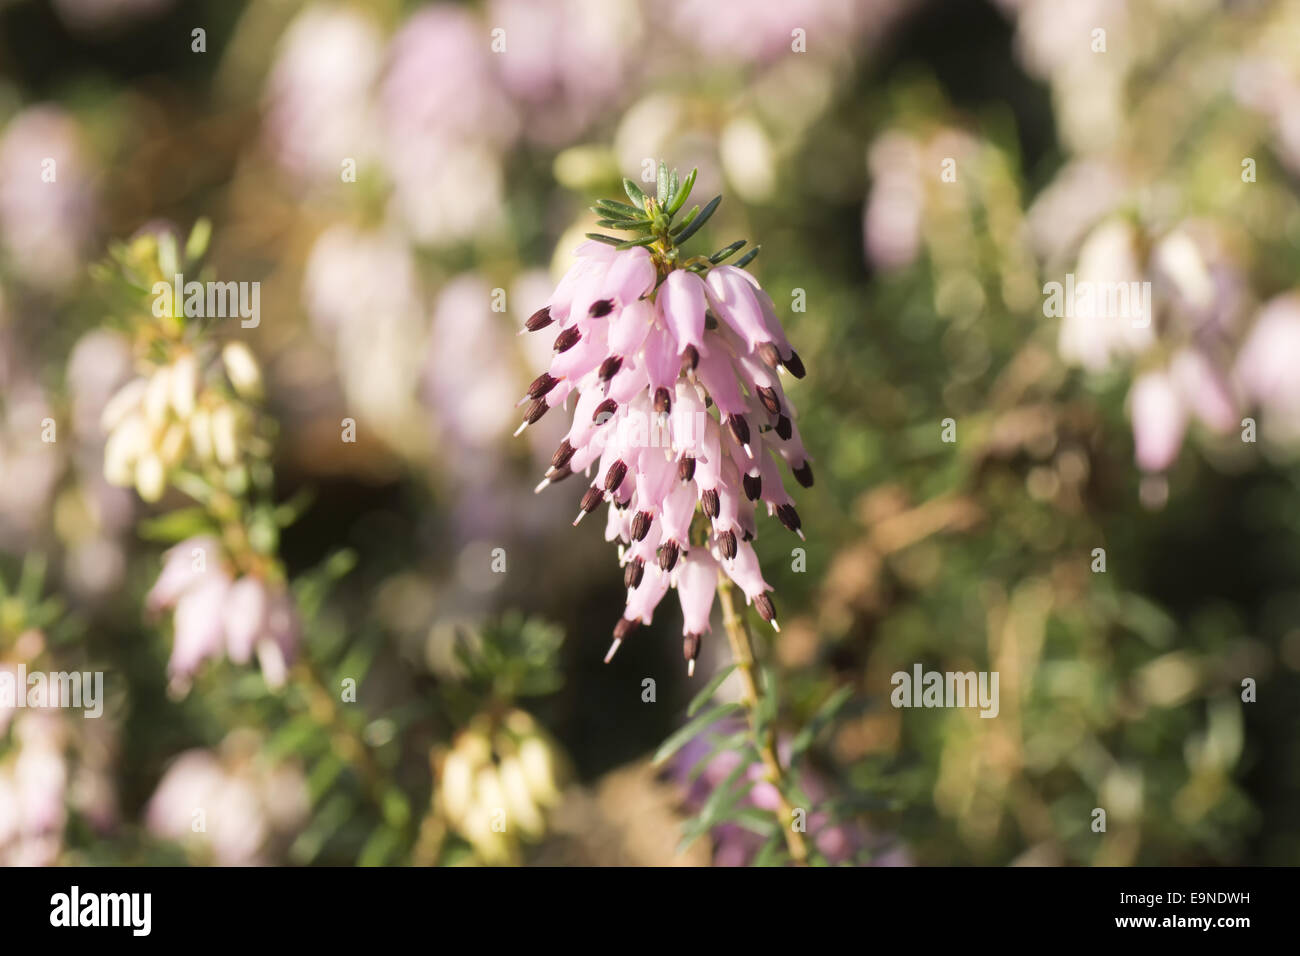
(685, 734)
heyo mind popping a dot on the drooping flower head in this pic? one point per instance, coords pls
(674, 363)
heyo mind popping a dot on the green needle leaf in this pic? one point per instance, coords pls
(687, 733)
(614, 208)
(694, 224)
(625, 224)
(803, 740)
(707, 691)
(635, 194)
(608, 240)
(725, 252)
(747, 258)
(682, 194)
(197, 244)
(604, 212)
(690, 217)
(643, 241)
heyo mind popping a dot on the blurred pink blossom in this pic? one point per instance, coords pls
(445, 120)
(1267, 362)
(215, 614)
(228, 807)
(1159, 420)
(760, 31)
(47, 203)
(319, 108)
(32, 792)
(548, 63)
(363, 295)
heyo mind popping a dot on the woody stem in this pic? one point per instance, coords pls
(742, 651)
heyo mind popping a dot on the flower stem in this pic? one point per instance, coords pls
(742, 650)
(345, 740)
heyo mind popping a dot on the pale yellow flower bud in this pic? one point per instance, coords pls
(539, 770)
(520, 723)
(490, 845)
(489, 795)
(184, 384)
(157, 397)
(201, 434)
(225, 437)
(127, 400)
(518, 797)
(126, 443)
(172, 446)
(457, 786)
(150, 477)
(242, 368)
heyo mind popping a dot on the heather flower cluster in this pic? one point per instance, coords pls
(216, 612)
(502, 764)
(680, 418)
(187, 422)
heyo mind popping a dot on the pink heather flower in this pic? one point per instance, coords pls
(546, 65)
(761, 31)
(320, 91)
(362, 291)
(215, 613)
(1159, 420)
(680, 411)
(1207, 389)
(47, 205)
(1094, 338)
(891, 222)
(246, 806)
(33, 791)
(1162, 401)
(470, 394)
(31, 467)
(1266, 365)
(445, 120)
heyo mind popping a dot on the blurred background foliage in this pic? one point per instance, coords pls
(912, 299)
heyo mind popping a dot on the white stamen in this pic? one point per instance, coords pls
(613, 649)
